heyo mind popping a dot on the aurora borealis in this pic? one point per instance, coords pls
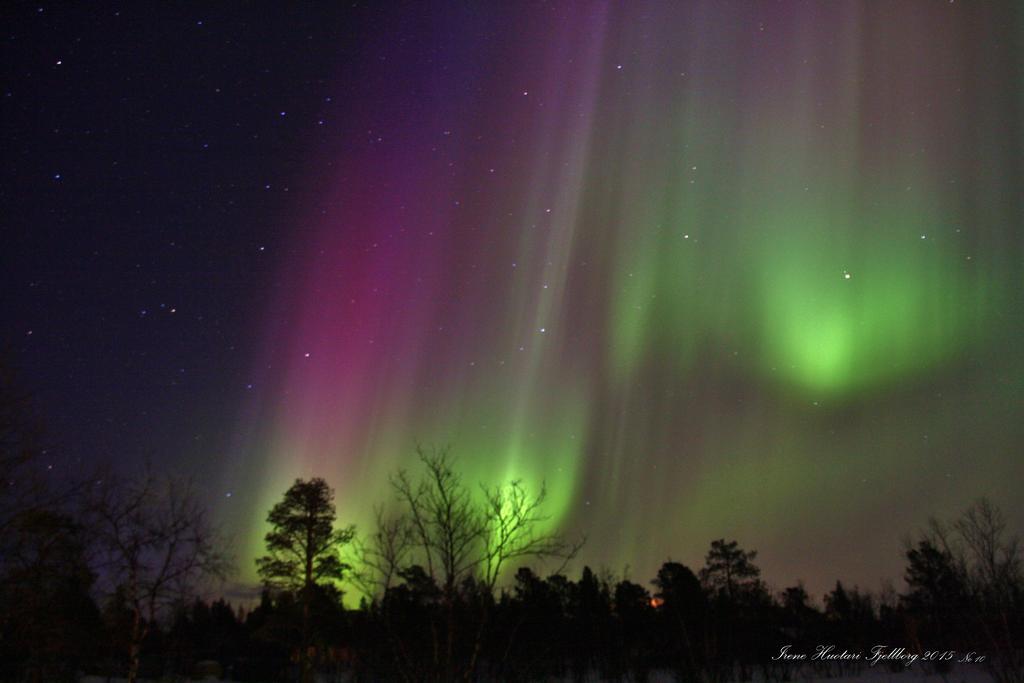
(704, 269)
(707, 269)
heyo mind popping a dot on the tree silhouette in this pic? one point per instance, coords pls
(19, 448)
(304, 551)
(156, 546)
(798, 618)
(48, 621)
(739, 603)
(977, 554)
(463, 539)
(850, 620)
(432, 613)
(49, 625)
(729, 570)
(683, 610)
(937, 590)
(26, 490)
(634, 610)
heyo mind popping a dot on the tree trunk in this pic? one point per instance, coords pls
(307, 665)
(307, 598)
(449, 663)
(478, 642)
(135, 646)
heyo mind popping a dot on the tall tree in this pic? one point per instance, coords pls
(738, 600)
(304, 551)
(730, 571)
(49, 624)
(157, 546)
(682, 607)
(938, 590)
(19, 436)
(28, 489)
(464, 538)
(980, 556)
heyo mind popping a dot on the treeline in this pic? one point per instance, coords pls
(458, 583)
(720, 623)
(91, 567)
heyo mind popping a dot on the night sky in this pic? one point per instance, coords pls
(707, 269)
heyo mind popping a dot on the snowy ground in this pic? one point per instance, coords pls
(876, 675)
(964, 674)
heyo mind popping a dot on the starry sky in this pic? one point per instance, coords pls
(706, 269)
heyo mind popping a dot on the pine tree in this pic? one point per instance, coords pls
(730, 571)
(304, 550)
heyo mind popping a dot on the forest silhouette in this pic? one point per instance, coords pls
(102, 577)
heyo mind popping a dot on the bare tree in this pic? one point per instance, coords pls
(512, 519)
(26, 490)
(458, 535)
(993, 556)
(18, 449)
(464, 539)
(985, 558)
(447, 530)
(383, 554)
(156, 546)
(447, 526)
(378, 560)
